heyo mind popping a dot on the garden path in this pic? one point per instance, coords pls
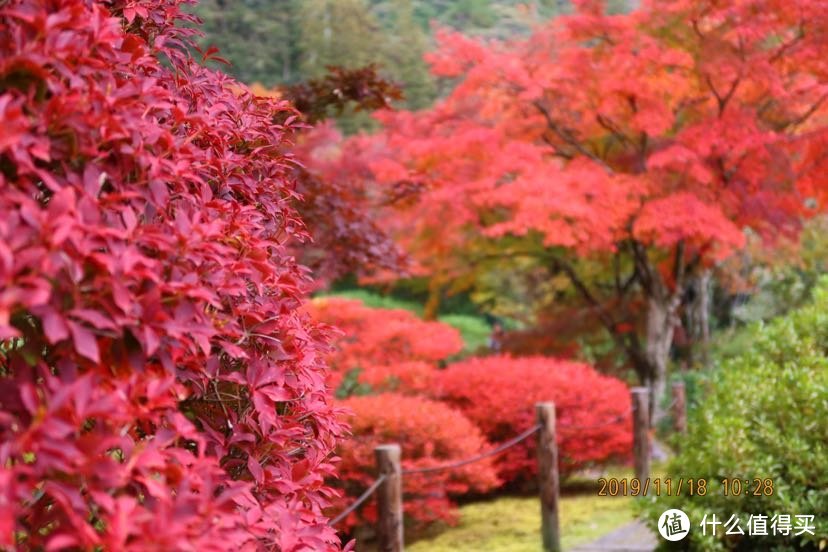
(633, 537)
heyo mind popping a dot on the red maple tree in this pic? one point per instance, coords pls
(159, 386)
(642, 143)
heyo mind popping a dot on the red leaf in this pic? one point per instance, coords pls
(255, 469)
(54, 326)
(85, 342)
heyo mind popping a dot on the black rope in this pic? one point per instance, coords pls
(595, 426)
(619, 418)
(497, 450)
(362, 498)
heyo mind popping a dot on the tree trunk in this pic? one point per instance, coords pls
(432, 305)
(698, 316)
(661, 311)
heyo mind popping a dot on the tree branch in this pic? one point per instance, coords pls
(810, 111)
(568, 138)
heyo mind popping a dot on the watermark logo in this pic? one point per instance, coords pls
(673, 525)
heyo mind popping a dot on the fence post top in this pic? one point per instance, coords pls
(637, 390)
(545, 404)
(389, 447)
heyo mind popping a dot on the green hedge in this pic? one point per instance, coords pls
(766, 416)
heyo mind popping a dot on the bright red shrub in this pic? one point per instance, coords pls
(159, 388)
(382, 337)
(499, 394)
(430, 434)
(403, 377)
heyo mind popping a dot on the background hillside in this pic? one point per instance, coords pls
(276, 42)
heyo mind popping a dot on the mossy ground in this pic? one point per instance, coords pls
(511, 524)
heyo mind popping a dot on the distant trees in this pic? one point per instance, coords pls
(278, 42)
(257, 36)
(283, 42)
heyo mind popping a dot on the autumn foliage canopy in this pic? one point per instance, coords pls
(677, 123)
(158, 386)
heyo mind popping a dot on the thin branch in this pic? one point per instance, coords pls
(790, 44)
(567, 137)
(678, 264)
(643, 265)
(723, 100)
(612, 127)
(805, 116)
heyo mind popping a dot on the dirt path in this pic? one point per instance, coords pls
(633, 537)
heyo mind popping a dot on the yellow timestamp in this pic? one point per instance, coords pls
(748, 487)
(668, 486)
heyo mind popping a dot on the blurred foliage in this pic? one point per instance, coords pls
(474, 328)
(338, 89)
(279, 42)
(764, 416)
(351, 386)
(377, 301)
(760, 284)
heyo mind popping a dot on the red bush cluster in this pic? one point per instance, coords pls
(404, 377)
(499, 394)
(396, 354)
(373, 338)
(430, 434)
(159, 388)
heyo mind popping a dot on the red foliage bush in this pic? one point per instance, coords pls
(404, 377)
(159, 388)
(499, 393)
(430, 434)
(382, 337)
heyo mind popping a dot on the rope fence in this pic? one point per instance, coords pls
(358, 502)
(460, 463)
(615, 420)
(389, 481)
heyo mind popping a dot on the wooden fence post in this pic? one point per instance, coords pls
(389, 499)
(641, 431)
(548, 477)
(679, 408)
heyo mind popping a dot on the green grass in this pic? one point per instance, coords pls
(474, 329)
(513, 524)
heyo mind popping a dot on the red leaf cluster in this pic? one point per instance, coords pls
(499, 394)
(338, 207)
(159, 387)
(430, 433)
(377, 338)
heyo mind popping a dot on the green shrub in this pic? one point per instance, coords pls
(766, 416)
